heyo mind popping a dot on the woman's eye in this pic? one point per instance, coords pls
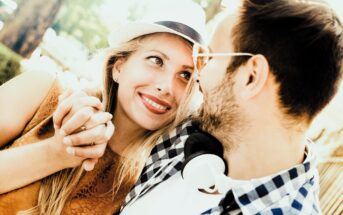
(156, 60)
(186, 75)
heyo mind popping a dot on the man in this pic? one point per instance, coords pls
(282, 67)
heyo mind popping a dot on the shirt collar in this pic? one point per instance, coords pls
(256, 194)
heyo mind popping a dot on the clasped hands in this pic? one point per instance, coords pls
(82, 129)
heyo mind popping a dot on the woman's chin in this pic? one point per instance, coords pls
(153, 126)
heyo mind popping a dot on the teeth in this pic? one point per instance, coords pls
(154, 104)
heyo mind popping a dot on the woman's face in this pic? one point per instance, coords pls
(153, 80)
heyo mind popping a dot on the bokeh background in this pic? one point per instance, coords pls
(68, 36)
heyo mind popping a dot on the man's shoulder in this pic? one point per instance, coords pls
(303, 200)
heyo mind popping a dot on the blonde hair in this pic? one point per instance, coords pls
(56, 189)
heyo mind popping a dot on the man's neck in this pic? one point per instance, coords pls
(265, 150)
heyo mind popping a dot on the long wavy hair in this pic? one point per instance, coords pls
(56, 189)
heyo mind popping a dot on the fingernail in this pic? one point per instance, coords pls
(70, 150)
(62, 132)
(67, 141)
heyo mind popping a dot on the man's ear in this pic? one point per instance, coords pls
(255, 76)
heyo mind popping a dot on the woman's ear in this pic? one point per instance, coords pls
(117, 68)
(255, 76)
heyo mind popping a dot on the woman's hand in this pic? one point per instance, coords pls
(83, 128)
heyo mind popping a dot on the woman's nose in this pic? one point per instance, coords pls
(163, 88)
(164, 84)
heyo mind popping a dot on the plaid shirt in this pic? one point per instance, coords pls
(293, 191)
(165, 160)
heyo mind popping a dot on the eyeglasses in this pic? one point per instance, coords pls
(201, 56)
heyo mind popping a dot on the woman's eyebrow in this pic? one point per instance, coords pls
(163, 54)
(166, 57)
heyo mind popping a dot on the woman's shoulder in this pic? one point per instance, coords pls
(20, 98)
(40, 78)
(28, 82)
(26, 91)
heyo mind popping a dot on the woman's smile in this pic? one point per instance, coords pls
(154, 104)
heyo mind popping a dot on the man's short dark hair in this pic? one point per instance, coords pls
(302, 41)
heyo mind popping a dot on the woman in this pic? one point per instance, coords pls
(147, 76)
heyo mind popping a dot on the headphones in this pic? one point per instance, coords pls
(204, 167)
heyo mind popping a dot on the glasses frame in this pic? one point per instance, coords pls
(206, 53)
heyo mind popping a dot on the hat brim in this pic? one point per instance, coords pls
(137, 29)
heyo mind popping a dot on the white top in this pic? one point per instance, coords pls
(171, 197)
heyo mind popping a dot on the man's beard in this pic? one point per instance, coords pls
(220, 115)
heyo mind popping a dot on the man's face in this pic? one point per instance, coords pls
(220, 110)
(214, 73)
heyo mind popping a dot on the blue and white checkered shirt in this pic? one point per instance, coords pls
(292, 191)
(165, 160)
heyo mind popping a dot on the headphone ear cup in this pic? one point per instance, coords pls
(199, 144)
(202, 171)
(202, 141)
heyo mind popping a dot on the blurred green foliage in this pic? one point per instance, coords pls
(9, 64)
(84, 19)
(80, 19)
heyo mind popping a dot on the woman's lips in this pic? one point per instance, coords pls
(154, 104)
